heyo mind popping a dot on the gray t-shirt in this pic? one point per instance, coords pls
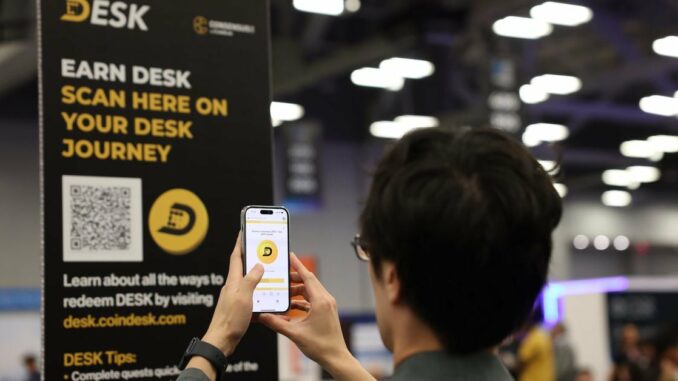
(441, 366)
(427, 366)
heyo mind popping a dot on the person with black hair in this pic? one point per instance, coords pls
(456, 233)
(31, 367)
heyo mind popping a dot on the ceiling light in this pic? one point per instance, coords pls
(580, 242)
(352, 5)
(372, 77)
(667, 46)
(389, 129)
(660, 105)
(557, 84)
(561, 189)
(665, 143)
(408, 68)
(620, 178)
(286, 112)
(644, 174)
(276, 122)
(601, 242)
(617, 198)
(521, 27)
(640, 149)
(531, 94)
(325, 7)
(418, 121)
(621, 243)
(546, 132)
(561, 14)
(530, 141)
(549, 166)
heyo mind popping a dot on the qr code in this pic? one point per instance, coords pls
(102, 219)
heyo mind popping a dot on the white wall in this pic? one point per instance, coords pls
(586, 319)
(655, 223)
(19, 336)
(19, 204)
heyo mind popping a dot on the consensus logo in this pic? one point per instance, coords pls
(114, 14)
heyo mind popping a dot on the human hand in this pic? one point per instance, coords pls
(233, 313)
(319, 334)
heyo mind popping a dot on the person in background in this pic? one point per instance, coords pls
(535, 354)
(566, 363)
(668, 363)
(31, 367)
(583, 375)
(456, 237)
(629, 350)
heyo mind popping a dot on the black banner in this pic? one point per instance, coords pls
(155, 133)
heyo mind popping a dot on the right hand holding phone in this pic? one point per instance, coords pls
(319, 334)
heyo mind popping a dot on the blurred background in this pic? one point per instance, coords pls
(591, 87)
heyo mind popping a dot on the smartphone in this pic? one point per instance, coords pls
(265, 231)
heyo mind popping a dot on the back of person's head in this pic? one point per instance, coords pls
(466, 217)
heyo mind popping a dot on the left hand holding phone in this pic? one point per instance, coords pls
(233, 313)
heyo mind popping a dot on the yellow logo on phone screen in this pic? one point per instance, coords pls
(267, 252)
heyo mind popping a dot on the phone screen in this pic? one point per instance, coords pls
(266, 242)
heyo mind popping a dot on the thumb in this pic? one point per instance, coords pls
(254, 276)
(277, 324)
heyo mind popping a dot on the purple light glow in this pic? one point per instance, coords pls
(556, 290)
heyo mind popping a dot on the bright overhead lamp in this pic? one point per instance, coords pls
(665, 143)
(622, 243)
(581, 242)
(408, 68)
(561, 189)
(532, 94)
(521, 27)
(561, 13)
(530, 141)
(276, 122)
(389, 130)
(546, 132)
(286, 112)
(644, 174)
(641, 149)
(402, 125)
(620, 178)
(324, 7)
(352, 5)
(667, 46)
(549, 166)
(418, 121)
(617, 198)
(373, 77)
(557, 84)
(660, 105)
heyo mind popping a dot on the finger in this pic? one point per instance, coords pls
(303, 272)
(253, 277)
(235, 270)
(312, 285)
(301, 305)
(277, 324)
(297, 290)
(295, 277)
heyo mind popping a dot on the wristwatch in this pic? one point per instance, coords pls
(207, 351)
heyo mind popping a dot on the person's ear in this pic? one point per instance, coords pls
(391, 282)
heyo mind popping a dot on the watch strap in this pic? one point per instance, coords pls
(207, 351)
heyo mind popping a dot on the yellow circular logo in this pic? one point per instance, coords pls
(200, 25)
(178, 221)
(267, 252)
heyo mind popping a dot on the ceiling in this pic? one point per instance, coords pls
(313, 57)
